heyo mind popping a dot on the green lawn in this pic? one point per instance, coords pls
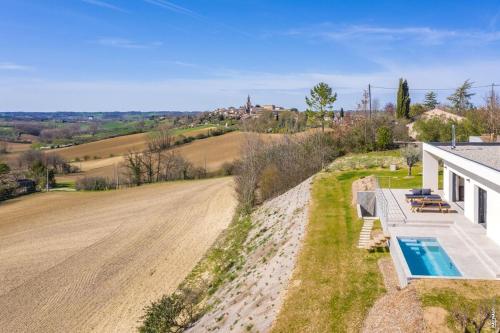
(338, 282)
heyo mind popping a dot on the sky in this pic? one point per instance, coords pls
(120, 55)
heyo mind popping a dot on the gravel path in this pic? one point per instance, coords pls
(396, 311)
(80, 262)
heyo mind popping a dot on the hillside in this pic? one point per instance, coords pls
(212, 152)
(96, 265)
(116, 146)
(251, 301)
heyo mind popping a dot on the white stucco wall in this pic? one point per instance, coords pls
(472, 181)
(475, 175)
(430, 177)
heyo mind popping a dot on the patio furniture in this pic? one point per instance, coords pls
(421, 193)
(414, 197)
(430, 204)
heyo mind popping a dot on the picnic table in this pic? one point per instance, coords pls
(430, 204)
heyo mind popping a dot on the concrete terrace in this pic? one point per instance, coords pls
(474, 254)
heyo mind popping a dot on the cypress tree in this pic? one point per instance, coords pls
(403, 100)
(341, 112)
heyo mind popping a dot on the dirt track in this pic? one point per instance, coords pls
(79, 262)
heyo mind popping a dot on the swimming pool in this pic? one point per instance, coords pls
(425, 256)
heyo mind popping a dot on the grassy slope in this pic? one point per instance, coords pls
(339, 282)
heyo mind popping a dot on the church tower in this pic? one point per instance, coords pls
(248, 106)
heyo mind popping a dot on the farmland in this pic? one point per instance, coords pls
(96, 265)
(212, 152)
(118, 146)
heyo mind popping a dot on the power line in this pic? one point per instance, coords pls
(436, 89)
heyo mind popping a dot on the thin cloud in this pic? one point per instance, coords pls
(10, 66)
(184, 64)
(424, 35)
(126, 43)
(168, 5)
(106, 5)
(173, 7)
(286, 89)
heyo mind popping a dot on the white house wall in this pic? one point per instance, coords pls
(475, 175)
(471, 183)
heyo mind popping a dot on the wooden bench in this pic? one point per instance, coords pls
(429, 204)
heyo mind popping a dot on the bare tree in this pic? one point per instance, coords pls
(473, 319)
(4, 147)
(134, 166)
(493, 109)
(158, 142)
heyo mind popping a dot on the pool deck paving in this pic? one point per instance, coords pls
(466, 243)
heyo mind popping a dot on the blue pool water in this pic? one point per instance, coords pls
(425, 256)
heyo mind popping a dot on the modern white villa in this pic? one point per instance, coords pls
(448, 230)
(471, 179)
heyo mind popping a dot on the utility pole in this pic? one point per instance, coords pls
(47, 180)
(117, 176)
(493, 106)
(370, 98)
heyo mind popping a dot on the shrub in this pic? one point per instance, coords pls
(86, 157)
(94, 184)
(267, 181)
(384, 139)
(201, 136)
(3, 147)
(273, 168)
(228, 169)
(171, 314)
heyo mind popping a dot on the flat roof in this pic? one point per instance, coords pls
(487, 154)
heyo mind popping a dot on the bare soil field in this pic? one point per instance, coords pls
(212, 152)
(14, 150)
(89, 261)
(113, 146)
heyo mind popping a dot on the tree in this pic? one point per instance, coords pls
(3, 147)
(159, 141)
(403, 100)
(384, 138)
(417, 109)
(39, 172)
(430, 100)
(7, 182)
(133, 163)
(411, 154)
(341, 113)
(389, 108)
(460, 99)
(320, 101)
(493, 112)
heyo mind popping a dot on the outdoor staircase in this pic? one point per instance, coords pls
(366, 230)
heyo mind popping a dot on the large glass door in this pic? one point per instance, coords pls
(482, 197)
(458, 194)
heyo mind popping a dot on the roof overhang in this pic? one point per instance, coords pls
(482, 171)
